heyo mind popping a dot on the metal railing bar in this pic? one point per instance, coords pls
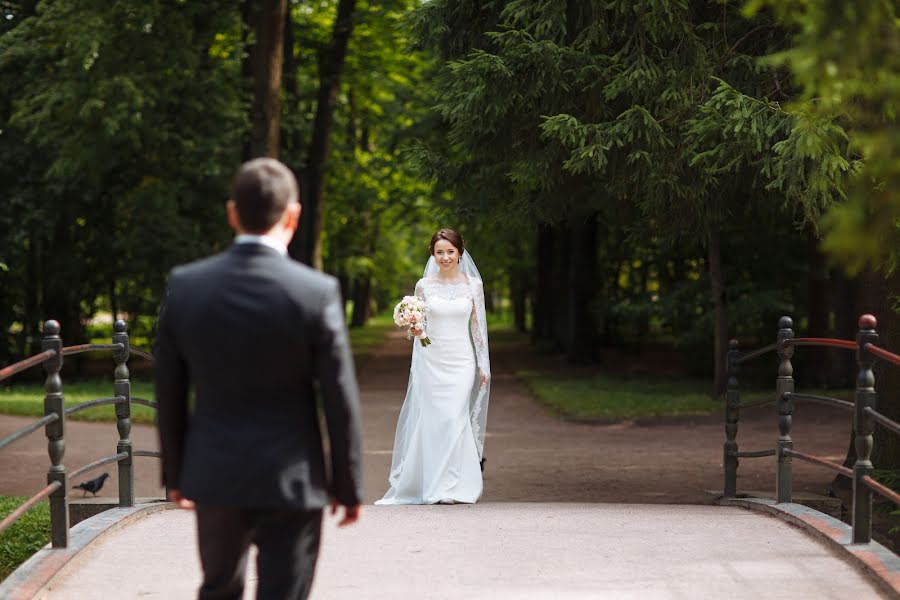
(143, 402)
(98, 463)
(755, 454)
(829, 342)
(93, 403)
(29, 429)
(821, 399)
(37, 359)
(151, 453)
(884, 491)
(755, 403)
(820, 461)
(16, 514)
(142, 353)
(68, 350)
(881, 419)
(756, 353)
(884, 354)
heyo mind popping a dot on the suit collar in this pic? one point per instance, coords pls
(254, 249)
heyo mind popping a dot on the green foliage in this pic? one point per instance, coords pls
(25, 537)
(656, 116)
(845, 58)
(119, 127)
(378, 215)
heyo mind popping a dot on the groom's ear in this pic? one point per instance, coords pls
(233, 219)
(292, 215)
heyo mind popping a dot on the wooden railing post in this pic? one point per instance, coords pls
(862, 431)
(784, 386)
(54, 402)
(732, 415)
(122, 387)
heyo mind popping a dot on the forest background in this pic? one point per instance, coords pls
(628, 174)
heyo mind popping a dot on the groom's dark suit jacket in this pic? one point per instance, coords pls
(253, 334)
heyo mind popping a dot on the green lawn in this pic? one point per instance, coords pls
(25, 537)
(602, 397)
(27, 399)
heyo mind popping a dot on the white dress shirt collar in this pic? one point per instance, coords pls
(265, 240)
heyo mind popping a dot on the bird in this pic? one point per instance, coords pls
(92, 485)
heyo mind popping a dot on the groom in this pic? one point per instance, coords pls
(255, 334)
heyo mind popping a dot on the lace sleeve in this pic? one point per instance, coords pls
(477, 327)
(420, 289)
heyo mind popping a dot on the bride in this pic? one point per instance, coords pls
(440, 433)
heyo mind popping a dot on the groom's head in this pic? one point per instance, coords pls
(264, 199)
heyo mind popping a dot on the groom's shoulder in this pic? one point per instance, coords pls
(309, 277)
(198, 267)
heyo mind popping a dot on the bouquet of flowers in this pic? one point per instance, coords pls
(410, 313)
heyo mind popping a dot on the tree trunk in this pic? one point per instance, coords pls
(886, 453)
(290, 138)
(542, 307)
(814, 368)
(559, 288)
(31, 330)
(582, 291)
(643, 324)
(362, 294)
(845, 293)
(518, 291)
(307, 245)
(717, 288)
(263, 63)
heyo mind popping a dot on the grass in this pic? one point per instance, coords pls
(27, 399)
(25, 537)
(600, 397)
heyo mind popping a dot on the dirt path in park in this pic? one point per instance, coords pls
(531, 457)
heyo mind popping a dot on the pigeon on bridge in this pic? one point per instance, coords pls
(92, 485)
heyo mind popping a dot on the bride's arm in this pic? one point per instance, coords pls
(478, 337)
(420, 293)
(420, 288)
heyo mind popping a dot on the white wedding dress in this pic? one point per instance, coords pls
(440, 432)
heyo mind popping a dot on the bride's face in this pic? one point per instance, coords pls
(446, 255)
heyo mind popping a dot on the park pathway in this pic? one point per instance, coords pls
(569, 511)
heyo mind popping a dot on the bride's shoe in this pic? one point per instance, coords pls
(447, 501)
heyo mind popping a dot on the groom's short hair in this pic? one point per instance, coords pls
(262, 190)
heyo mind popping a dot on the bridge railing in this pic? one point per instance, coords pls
(863, 408)
(54, 424)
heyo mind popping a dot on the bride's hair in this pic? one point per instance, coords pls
(452, 237)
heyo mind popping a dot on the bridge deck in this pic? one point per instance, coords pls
(502, 550)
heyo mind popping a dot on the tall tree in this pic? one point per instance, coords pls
(307, 245)
(264, 23)
(120, 133)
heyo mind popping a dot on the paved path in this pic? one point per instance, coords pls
(514, 543)
(522, 551)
